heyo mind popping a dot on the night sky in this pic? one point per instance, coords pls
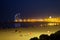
(29, 9)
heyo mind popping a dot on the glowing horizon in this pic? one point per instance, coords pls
(50, 19)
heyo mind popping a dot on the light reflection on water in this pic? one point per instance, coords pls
(32, 30)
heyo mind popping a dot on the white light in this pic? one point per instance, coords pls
(50, 17)
(48, 31)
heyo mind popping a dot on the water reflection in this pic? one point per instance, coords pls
(52, 24)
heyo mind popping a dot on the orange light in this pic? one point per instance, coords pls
(33, 20)
(20, 20)
(40, 20)
(24, 20)
(28, 20)
(30, 33)
(51, 24)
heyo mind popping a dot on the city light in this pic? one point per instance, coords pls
(50, 19)
(40, 20)
(28, 20)
(20, 20)
(24, 20)
(52, 24)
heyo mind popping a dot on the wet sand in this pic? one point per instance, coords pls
(26, 33)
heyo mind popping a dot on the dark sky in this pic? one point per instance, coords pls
(29, 8)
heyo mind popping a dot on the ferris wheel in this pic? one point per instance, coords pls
(17, 17)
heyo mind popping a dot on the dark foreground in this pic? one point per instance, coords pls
(55, 36)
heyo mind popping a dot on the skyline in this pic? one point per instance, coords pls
(29, 9)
